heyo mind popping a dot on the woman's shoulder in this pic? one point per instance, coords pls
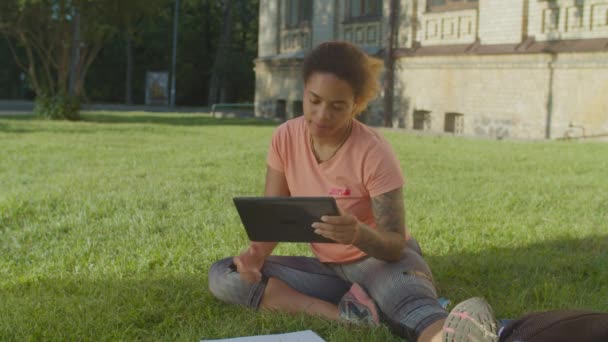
(381, 166)
(291, 126)
(370, 136)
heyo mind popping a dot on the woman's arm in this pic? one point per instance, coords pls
(386, 242)
(249, 263)
(276, 185)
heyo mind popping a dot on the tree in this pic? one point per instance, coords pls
(129, 19)
(137, 28)
(389, 62)
(216, 86)
(61, 39)
(12, 82)
(45, 30)
(232, 74)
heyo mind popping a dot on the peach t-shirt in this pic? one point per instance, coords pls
(364, 167)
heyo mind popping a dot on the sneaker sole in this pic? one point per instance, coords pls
(471, 321)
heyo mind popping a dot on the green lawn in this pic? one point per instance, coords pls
(108, 225)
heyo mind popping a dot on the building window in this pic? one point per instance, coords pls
(554, 18)
(297, 109)
(298, 12)
(364, 9)
(422, 120)
(280, 110)
(450, 5)
(454, 123)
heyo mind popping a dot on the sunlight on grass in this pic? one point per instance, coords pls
(108, 225)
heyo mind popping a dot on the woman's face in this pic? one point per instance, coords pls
(329, 105)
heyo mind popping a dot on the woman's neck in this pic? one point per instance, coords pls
(325, 149)
(334, 141)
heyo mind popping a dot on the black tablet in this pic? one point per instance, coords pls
(284, 219)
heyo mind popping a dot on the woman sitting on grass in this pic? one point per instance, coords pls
(327, 152)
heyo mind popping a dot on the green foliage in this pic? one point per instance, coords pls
(152, 46)
(58, 107)
(42, 33)
(11, 86)
(199, 30)
(150, 24)
(111, 238)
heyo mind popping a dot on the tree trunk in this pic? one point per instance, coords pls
(75, 55)
(215, 81)
(389, 61)
(223, 92)
(129, 75)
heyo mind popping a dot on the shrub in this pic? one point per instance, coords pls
(58, 107)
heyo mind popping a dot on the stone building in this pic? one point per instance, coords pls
(528, 69)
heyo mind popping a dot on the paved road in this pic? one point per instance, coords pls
(15, 107)
(11, 107)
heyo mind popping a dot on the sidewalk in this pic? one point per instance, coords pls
(11, 107)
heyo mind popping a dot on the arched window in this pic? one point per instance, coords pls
(298, 13)
(364, 9)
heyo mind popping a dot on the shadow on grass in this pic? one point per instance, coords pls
(171, 308)
(5, 119)
(175, 119)
(567, 273)
(557, 274)
(19, 124)
(17, 117)
(104, 309)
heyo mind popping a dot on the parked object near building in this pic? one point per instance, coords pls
(528, 69)
(157, 88)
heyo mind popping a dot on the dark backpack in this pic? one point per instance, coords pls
(558, 326)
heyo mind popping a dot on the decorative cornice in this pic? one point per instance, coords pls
(528, 46)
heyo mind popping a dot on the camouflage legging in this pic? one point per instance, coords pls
(403, 291)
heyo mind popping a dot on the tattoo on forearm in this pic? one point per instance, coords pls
(389, 214)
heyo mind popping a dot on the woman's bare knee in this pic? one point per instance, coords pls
(281, 297)
(274, 294)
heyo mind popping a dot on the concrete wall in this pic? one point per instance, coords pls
(502, 22)
(268, 28)
(499, 94)
(274, 82)
(580, 89)
(508, 96)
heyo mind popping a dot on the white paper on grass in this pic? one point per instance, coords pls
(299, 336)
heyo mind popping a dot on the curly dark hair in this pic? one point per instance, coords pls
(349, 63)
